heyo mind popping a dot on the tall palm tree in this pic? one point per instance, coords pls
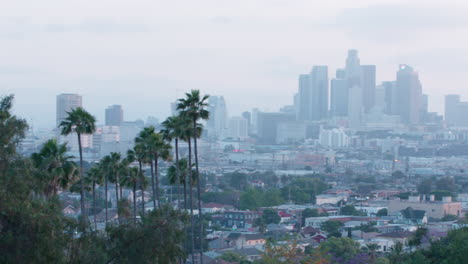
(94, 177)
(139, 154)
(106, 164)
(54, 167)
(133, 177)
(194, 107)
(171, 131)
(114, 172)
(160, 149)
(81, 122)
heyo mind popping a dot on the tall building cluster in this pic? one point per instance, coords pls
(354, 94)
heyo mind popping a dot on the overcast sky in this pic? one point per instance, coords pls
(145, 54)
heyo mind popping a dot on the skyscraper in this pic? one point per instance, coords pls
(217, 123)
(304, 97)
(66, 103)
(339, 94)
(313, 94)
(451, 102)
(114, 115)
(367, 83)
(409, 93)
(353, 68)
(390, 98)
(319, 92)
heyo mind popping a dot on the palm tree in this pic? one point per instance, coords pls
(372, 250)
(94, 177)
(133, 177)
(81, 122)
(194, 107)
(106, 163)
(139, 154)
(114, 172)
(171, 131)
(53, 167)
(160, 150)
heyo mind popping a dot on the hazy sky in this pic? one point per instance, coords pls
(145, 54)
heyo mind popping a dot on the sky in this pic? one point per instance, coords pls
(144, 54)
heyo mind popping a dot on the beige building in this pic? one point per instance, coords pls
(434, 209)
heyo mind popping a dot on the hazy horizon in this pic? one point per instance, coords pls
(145, 54)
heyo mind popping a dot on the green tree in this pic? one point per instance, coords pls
(425, 186)
(344, 247)
(157, 238)
(270, 216)
(308, 212)
(53, 168)
(12, 130)
(81, 122)
(94, 177)
(194, 107)
(350, 210)
(172, 130)
(382, 212)
(230, 256)
(331, 227)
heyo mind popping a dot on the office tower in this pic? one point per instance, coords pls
(367, 83)
(268, 125)
(238, 127)
(353, 68)
(451, 102)
(390, 98)
(66, 103)
(247, 115)
(313, 94)
(339, 95)
(114, 115)
(424, 108)
(355, 107)
(304, 97)
(409, 93)
(217, 123)
(380, 103)
(319, 94)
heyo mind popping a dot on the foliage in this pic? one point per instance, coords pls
(303, 190)
(350, 210)
(449, 217)
(252, 199)
(425, 186)
(233, 257)
(331, 226)
(382, 212)
(308, 212)
(343, 248)
(270, 216)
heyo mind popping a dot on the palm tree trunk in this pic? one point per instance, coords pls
(199, 179)
(191, 201)
(134, 201)
(152, 186)
(177, 172)
(117, 194)
(121, 192)
(83, 211)
(94, 205)
(158, 194)
(105, 194)
(142, 183)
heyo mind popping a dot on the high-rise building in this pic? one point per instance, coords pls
(66, 103)
(238, 127)
(353, 68)
(268, 125)
(367, 83)
(451, 102)
(355, 107)
(339, 95)
(114, 115)
(304, 97)
(409, 95)
(313, 94)
(217, 123)
(390, 98)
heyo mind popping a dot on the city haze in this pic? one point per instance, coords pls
(145, 54)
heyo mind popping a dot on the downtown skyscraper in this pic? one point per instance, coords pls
(313, 94)
(65, 103)
(408, 95)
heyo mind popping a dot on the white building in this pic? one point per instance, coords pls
(333, 138)
(238, 128)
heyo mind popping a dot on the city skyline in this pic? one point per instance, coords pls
(134, 53)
